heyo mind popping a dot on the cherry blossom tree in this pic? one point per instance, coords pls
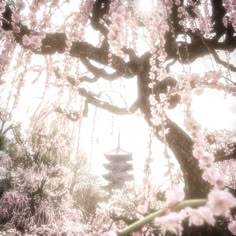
(142, 41)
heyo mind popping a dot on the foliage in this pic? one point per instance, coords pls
(44, 196)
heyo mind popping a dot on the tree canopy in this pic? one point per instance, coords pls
(85, 42)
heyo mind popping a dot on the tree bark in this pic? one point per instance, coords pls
(178, 141)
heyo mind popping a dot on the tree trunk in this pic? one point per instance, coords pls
(178, 141)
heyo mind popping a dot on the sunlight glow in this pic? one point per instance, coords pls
(144, 7)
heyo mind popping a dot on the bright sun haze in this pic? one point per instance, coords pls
(144, 7)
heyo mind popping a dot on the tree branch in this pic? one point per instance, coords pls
(98, 72)
(199, 46)
(94, 100)
(83, 49)
(100, 8)
(56, 42)
(226, 157)
(7, 129)
(224, 63)
(88, 79)
(222, 156)
(218, 14)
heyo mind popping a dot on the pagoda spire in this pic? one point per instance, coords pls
(118, 143)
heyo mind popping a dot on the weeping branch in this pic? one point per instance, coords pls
(56, 43)
(199, 46)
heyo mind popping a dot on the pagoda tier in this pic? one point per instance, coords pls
(111, 186)
(119, 164)
(117, 177)
(118, 167)
(118, 154)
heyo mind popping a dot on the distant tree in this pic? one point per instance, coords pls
(43, 190)
(175, 31)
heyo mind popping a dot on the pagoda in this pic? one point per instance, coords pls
(119, 164)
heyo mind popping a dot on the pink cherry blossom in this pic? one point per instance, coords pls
(26, 40)
(138, 233)
(152, 100)
(220, 202)
(2, 82)
(213, 177)
(185, 98)
(110, 233)
(20, 5)
(206, 159)
(172, 222)
(4, 60)
(192, 125)
(2, 6)
(36, 41)
(174, 196)
(200, 216)
(15, 17)
(198, 91)
(15, 28)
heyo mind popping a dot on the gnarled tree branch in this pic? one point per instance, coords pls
(94, 100)
(222, 156)
(224, 63)
(98, 72)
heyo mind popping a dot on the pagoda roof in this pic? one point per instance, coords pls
(117, 166)
(111, 186)
(118, 152)
(118, 177)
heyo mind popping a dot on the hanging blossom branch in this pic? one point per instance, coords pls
(182, 21)
(50, 43)
(57, 42)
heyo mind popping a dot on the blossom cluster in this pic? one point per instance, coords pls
(230, 5)
(219, 204)
(80, 19)
(116, 37)
(202, 21)
(195, 83)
